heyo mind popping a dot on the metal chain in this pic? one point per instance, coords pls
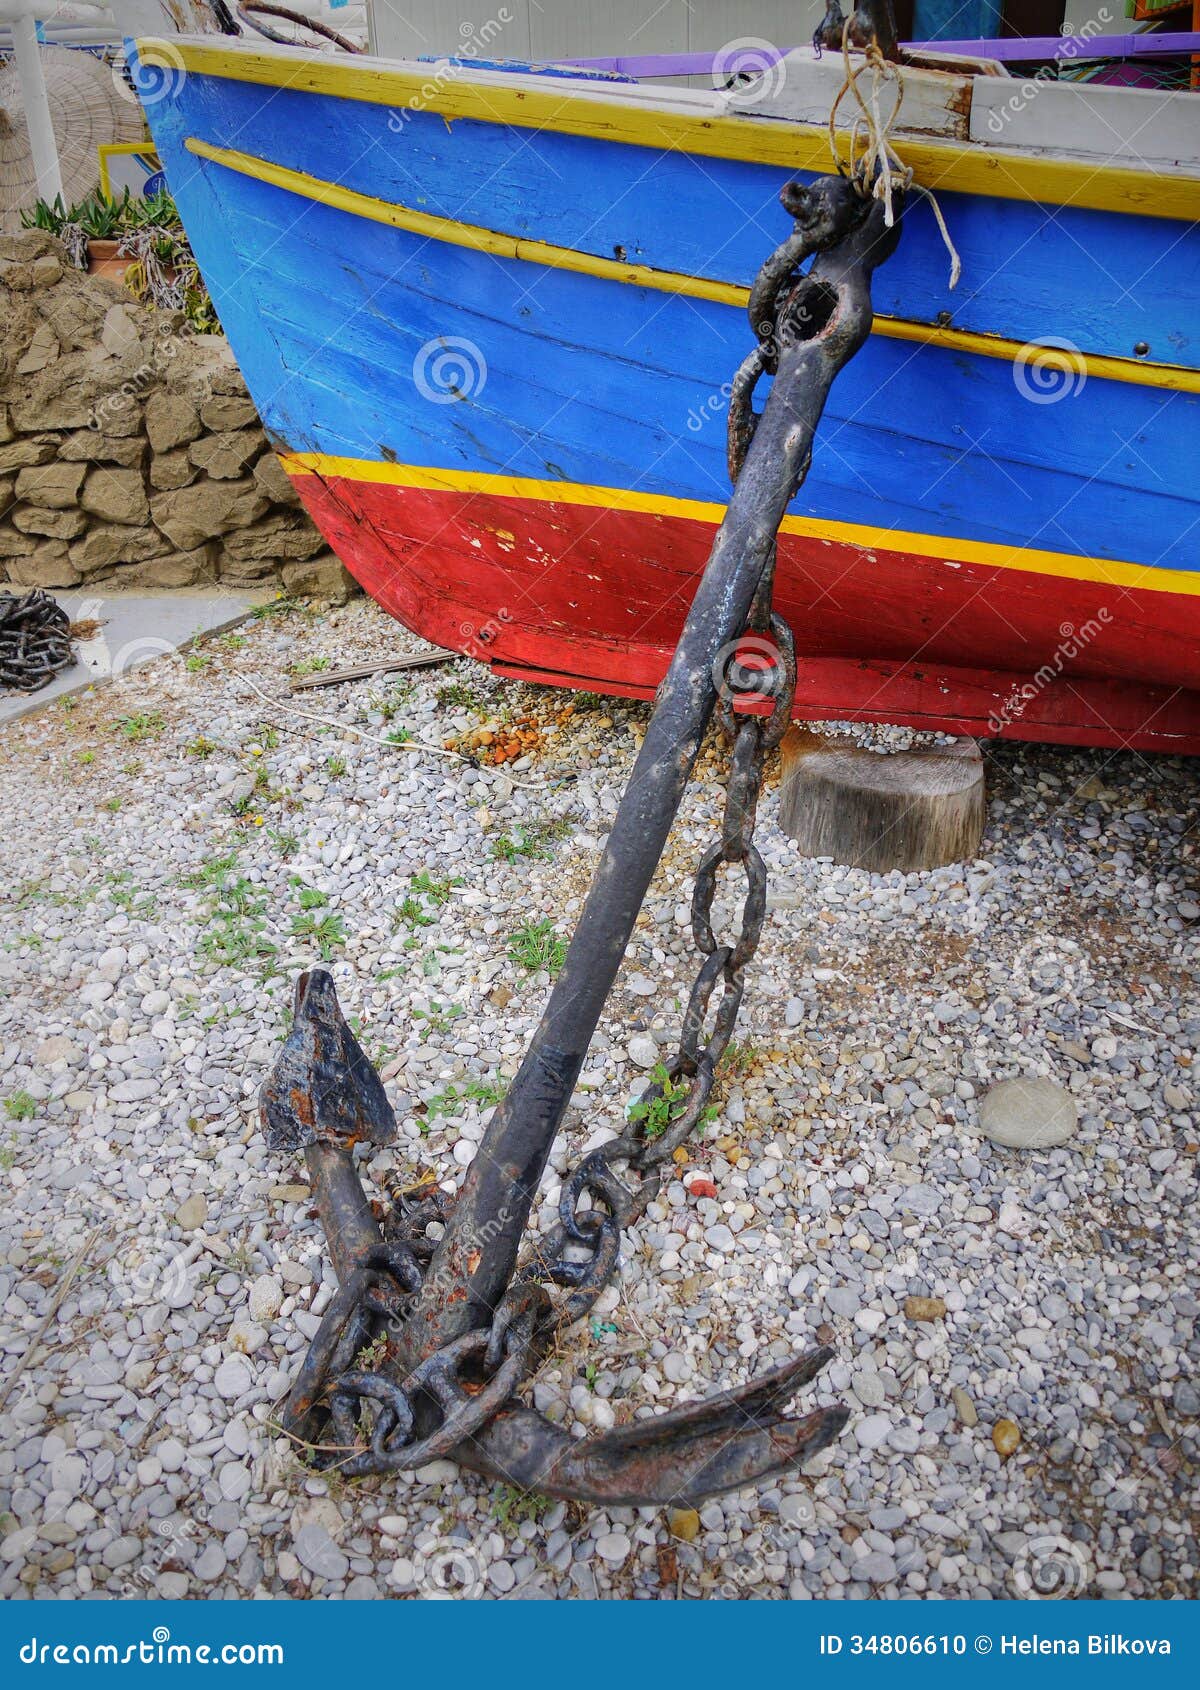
(35, 640)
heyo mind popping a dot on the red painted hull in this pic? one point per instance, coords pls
(583, 596)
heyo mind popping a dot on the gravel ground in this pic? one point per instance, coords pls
(173, 850)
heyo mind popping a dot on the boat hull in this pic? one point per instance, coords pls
(518, 448)
(590, 588)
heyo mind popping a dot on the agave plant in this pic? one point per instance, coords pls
(163, 273)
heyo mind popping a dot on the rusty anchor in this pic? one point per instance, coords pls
(436, 1321)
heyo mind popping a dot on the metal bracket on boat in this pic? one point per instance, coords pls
(872, 22)
(421, 1351)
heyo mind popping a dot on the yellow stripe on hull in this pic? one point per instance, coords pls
(1169, 377)
(935, 547)
(790, 146)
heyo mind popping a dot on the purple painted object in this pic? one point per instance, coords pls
(1033, 48)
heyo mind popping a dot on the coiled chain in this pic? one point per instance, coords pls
(35, 640)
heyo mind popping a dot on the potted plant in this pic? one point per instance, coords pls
(138, 241)
(102, 221)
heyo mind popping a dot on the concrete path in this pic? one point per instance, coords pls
(135, 628)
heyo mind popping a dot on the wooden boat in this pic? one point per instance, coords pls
(490, 314)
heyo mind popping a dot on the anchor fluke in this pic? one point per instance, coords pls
(323, 1088)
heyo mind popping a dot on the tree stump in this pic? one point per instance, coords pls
(902, 810)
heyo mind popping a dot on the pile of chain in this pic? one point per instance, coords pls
(35, 641)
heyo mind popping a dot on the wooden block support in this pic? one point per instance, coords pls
(902, 810)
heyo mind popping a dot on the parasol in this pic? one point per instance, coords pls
(86, 107)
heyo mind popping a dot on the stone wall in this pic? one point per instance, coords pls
(130, 453)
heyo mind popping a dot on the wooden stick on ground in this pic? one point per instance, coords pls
(56, 1302)
(360, 671)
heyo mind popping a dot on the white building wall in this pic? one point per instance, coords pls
(576, 29)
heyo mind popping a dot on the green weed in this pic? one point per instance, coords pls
(536, 946)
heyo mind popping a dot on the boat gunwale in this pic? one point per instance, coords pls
(598, 111)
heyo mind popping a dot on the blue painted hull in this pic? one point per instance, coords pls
(339, 324)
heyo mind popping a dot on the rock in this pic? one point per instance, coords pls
(115, 495)
(317, 1551)
(210, 1563)
(872, 1432)
(89, 445)
(233, 1378)
(226, 377)
(964, 1407)
(274, 482)
(53, 486)
(56, 1049)
(45, 271)
(171, 420)
(178, 569)
(43, 349)
(120, 331)
(282, 538)
(1028, 1114)
(170, 471)
(868, 1388)
(290, 1193)
(1014, 1221)
(266, 1299)
(223, 412)
(51, 524)
(322, 577)
(683, 1523)
(63, 395)
(17, 454)
(18, 1543)
(192, 1212)
(924, 1308)
(643, 1052)
(195, 514)
(47, 565)
(1006, 1438)
(613, 1547)
(225, 456)
(108, 543)
(247, 1337)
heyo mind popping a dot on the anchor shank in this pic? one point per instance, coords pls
(823, 323)
(351, 1230)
